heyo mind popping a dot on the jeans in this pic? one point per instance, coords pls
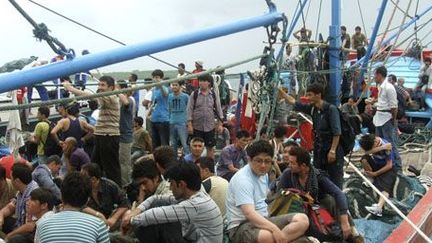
(125, 162)
(388, 132)
(43, 93)
(179, 132)
(334, 169)
(160, 133)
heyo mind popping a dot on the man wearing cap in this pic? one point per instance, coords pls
(198, 68)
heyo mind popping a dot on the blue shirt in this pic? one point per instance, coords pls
(177, 107)
(136, 97)
(126, 122)
(160, 110)
(380, 158)
(245, 187)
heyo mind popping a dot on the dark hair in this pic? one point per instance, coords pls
(43, 196)
(93, 170)
(258, 147)
(65, 78)
(93, 104)
(145, 168)
(165, 156)
(242, 134)
(139, 120)
(302, 155)
(122, 84)
(22, 172)
(207, 163)
(75, 189)
(392, 78)
(2, 173)
(279, 132)
(263, 131)
(107, 79)
(367, 141)
(181, 65)
(21, 239)
(134, 76)
(206, 77)
(73, 109)
(290, 143)
(158, 72)
(44, 110)
(343, 28)
(427, 59)
(357, 28)
(381, 70)
(187, 172)
(315, 88)
(55, 159)
(197, 139)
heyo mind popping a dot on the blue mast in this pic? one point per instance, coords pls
(11, 81)
(334, 52)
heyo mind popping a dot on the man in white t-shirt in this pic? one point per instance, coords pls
(385, 119)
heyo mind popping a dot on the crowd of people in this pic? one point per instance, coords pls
(179, 175)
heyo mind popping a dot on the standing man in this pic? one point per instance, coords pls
(290, 65)
(107, 132)
(346, 43)
(328, 154)
(41, 133)
(359, 41)
(136, 95)
(159, 111)
(203, 109)
(385, 118)
(194, 83)
(127, 110)
(177, 108)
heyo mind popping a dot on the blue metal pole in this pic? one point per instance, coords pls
(11, 81)
(370, 46)
(334, 52)
(391, 37)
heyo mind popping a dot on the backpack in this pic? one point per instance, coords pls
(212, 93)
(287, 201)
(348, 135)
(50, 145)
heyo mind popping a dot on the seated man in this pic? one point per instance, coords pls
(380, 166)
(75, 157)
(247, 211)
(141, 140)
(23, 183)
(40, 205)
(233, 157)
(197, 149)
(303, 176)
(107, 201)
(147, 177)
(7, 191)
(165, 158)
(215, 186)
(198, 214)
(44, 174)
(71, 224)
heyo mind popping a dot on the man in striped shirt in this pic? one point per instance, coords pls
(71, 225)
(198, 214)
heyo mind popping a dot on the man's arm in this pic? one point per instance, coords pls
(297, 34)
(257, 219)
(287, 97)
(58, 127)
(7, 211)
(226, 160)
(124, 100)
(44, 180)
(68, 86)
(26, 228)
(384, 169)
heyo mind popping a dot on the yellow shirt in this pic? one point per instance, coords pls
(41, 131)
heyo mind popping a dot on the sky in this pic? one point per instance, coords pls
(138, 21)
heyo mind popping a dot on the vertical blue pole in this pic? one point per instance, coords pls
(334, 52)
(370, 46)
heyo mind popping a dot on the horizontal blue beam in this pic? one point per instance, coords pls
(15, 80)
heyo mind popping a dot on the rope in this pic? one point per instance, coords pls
(303, 18)
(399, 8)
(41, 32)
(398, 34)
(318, 21)
(100, 33)
(419, 231)
(361, 16)
(138, 87)
(388, 27)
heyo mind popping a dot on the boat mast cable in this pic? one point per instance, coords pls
(99, 33)
(361, 16)
(318, 21)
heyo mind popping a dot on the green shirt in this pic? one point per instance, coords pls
(41, 131)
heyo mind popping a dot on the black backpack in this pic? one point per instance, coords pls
(50, 145)
(348, 135)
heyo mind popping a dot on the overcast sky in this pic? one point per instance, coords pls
(135, 21)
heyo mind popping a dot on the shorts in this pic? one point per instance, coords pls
(248, 233)
(208, 137)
